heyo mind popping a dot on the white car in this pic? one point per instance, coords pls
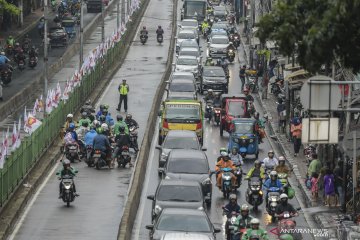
(187, 64)
(185, 35)
(217, 46)
(191, 24)
(191, 51)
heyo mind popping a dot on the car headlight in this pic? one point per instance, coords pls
(164, 156)
(207, 182)
(167, 177)
(201, 208)
(157, 209)
(251, 140)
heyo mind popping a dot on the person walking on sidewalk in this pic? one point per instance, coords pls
(339, 181)
(315, 166)
(242, 75)
(123, 90)
(315, 186)
(296, 127)
(329, 185)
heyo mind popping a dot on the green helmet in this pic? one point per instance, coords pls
(286, 237)
(223, 150)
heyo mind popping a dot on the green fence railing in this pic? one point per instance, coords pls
(19, 163)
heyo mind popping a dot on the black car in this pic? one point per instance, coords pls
(179, 194)
(187, 164)
(180, 220)
(213, 77)
(58, 37)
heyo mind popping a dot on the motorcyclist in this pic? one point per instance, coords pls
(209, 62)
(244, 219)
(57, 19)
(102, 143)
(282, 168)
(210, 96)
(284, 206)
(89, 109)
(20, 56)
(66, 170)
(84, 118)
(106, 130)
(256, 171)
(109, 120)
(10, 41)
(120, 122)
(270, 162)
(33, 52)
(82, 130)
(232, 206)
(272, 181)
(236, 157)
(159, 31)
(255, 230)
(101, 109)
(130, 122)
(121, 139)
(224, 162)
(231, 47)
(144, 32)
(89, 137)
(217, 100)
(3, 59)
(205, 26)
(223, 153)
(71, 137)
(259, 126)
(26, 41)
(69, 119)
(17, 48)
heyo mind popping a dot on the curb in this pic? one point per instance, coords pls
(136, 186)
(28, 93)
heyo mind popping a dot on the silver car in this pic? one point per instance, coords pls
(182, 76)
(217, 46)
(188, 43)
(191, 51)
(187, 64)
(185, 236)
(184, 35)
(190, 24)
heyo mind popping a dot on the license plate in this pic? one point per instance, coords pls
(97, 155)
(125, 154)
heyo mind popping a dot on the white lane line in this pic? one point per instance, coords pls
(146, 186)
(28, 207)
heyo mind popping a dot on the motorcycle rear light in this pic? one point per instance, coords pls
(97, 151)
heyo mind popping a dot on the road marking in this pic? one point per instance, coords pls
(146, 186)
(28, 207)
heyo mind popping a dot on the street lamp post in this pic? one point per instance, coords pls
(102, 23)
(45, 49)
(118, 15)
(81, 35)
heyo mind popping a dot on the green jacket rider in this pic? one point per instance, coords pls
(205, 25)
(255, 230)
(120, 122)
(256, 171)
(244, 218)
(66, 170)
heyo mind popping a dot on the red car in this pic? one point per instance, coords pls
(233, 106)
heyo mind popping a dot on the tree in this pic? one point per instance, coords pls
(8, 7)
(318, 31)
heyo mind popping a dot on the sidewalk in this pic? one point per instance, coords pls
(30, 22)
(324, 216)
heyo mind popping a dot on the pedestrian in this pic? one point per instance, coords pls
(123, 90)
(242, 75)
(329, 187)
(314, 166)
(315, 186)
(281, 110)
(339, 181)
(295, 129)
(1, 91)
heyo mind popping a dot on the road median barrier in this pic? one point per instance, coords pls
(133, 199)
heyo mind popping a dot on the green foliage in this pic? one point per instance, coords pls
(317, 30)
(8, 7)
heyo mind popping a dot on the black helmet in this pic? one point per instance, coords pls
(102, 106)
(121, 129)
(119, 117)
(159, 26)
(33, 47)
(144, 27)
(102, 118)
(128, 116)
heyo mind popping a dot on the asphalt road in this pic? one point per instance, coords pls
(21, 79)
(97, 212)
(213, 142)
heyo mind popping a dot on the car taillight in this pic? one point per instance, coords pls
(97, 151)
(165, 124)
(199, 125)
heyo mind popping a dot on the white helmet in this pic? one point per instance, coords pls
(254, 221)
(104, 126)
(70, 115)
(283, 195)
(224, 154)
(2, 53)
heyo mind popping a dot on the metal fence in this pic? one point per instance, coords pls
(19, 163)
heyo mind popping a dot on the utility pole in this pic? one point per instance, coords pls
(118, 15)
(102, 23)
(21, 15)
(81, 34)
(45, 50)
(122, 11)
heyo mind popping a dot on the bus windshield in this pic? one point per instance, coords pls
(192, 7)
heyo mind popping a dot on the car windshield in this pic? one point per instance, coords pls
(219, 26)
(188, 166)
(179, 193)
(182, 87)
(182, 111)
(219, 13)
(219, 32)
(184, 35)
(243, 128)
(187, 43)
(181, 143)
(236, 108)
(189, 53)
(183, 223)
(176, 76)
(220, 41)
(187, 61)
(218, 72)
(189, 24)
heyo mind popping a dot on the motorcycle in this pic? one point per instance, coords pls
(143, 39)
(230, 225)
(26, 47)
(72, 152)
(9, 50)
(236, 40)
(238, 174)
(160, 38)
(252, 84)
(273, 197)
(6, 76)
(67, 184)
(254, 195)
(216, 118)
(286, 223)
(89, 160)
(21, 64)
(100, 159)
(32, 62)
(124, 157)
(226, 186)
(133, 138)
(206, 32)
(231, 55)
(209, 109)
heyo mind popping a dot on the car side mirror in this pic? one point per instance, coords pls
(158, 147)
(204, 149)
(298, 209)
(217, 230)
(149, 227)
(151, 197)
